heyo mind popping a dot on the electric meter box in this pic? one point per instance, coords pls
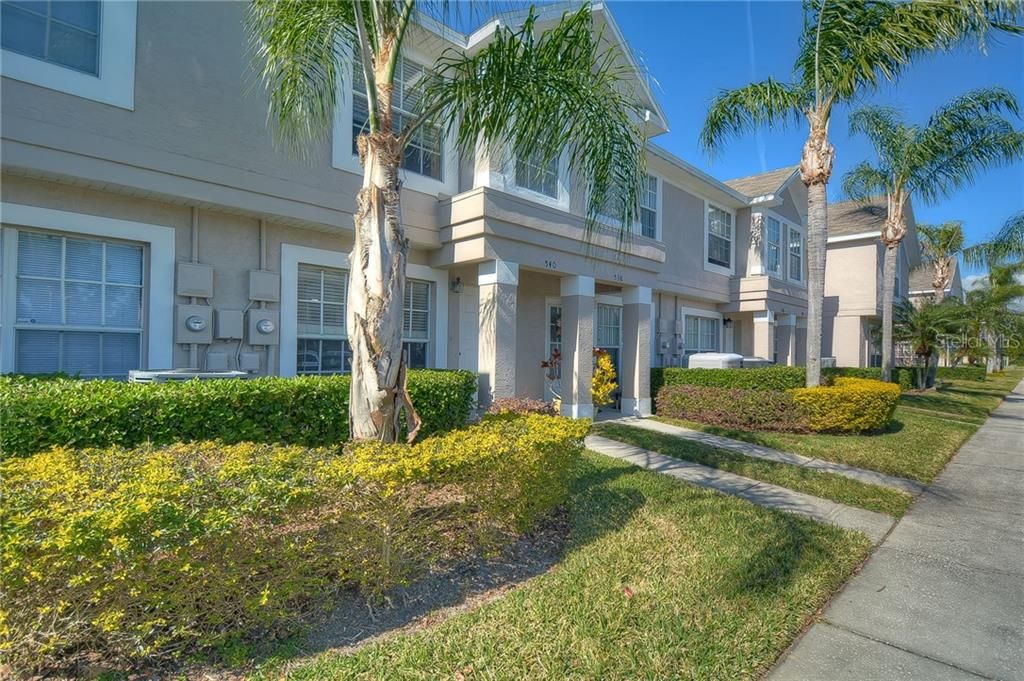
(261, 327)
(194, 280)
(193, 324)
(264, 286)
(229, 324)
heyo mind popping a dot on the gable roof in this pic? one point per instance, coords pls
(763, 184)
(921, 278)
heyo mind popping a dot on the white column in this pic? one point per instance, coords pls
(764, 334)
(499, 287)
(636, 351)
(577, 346)
(785, 327)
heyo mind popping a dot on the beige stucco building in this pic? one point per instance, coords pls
(149, 221)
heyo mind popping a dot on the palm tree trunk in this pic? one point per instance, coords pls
(888, 293)
(815, 169)
(375, 296)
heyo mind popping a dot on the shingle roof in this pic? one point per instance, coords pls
(762, 183)
(921, 278)
(852, 217)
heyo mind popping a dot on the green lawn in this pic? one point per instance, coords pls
(660, 580)
(827, 485)
(927, 430)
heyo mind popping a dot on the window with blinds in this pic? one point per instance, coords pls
(416, 323)
(649, 208)
(63, 32)
(423, 152)
(533, 174)
(773, 246)
(701, 334)
(608, 331)
(79, 306)
(796, 254)
(322, 344)
(719, 237)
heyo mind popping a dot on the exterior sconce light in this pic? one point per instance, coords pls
(727, 323)
(456, 286)
(195, 323)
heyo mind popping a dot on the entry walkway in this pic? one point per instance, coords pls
(942, 598)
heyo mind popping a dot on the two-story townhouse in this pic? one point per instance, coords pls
(921, 286)
(853, 279)
(148, 220)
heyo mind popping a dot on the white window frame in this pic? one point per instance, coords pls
(321, 337)
(158, 300)
(611, 301)
(292, 255)
(115, 82)
(342, 157)
(766, 242)
(499, 172)
(637, 226)
(686, 312)
(802, 279)
(709, 266)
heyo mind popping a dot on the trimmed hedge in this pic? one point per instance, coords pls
(732, 407)
(850, 405)
(961, 373)
(767, 378)
(306, 410)
(161, 551)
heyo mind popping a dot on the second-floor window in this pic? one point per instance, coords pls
(649, 207)
(533, 174)
(719, 228)
(773, 246)
(796, 254)
(62, 32)
(423, 153)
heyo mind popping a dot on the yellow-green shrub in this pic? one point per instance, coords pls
(158, 551)
(849, 405)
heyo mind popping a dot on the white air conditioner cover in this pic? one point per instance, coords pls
(756, 362)
(715, 360)
(165, 375)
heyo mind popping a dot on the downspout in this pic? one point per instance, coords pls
(193, 348)
(263, 266)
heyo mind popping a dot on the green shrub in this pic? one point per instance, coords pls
(768, 378)
(961, 373)
(306, 410)
(732, 407)
(850, 405)
(162, 550)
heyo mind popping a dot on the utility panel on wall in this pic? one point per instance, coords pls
(228, 324)
(264, 286)
(194, 280)
(193, 324)
(261, 327)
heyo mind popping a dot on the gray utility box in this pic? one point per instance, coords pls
(828, 362)
(715, 360)
(756, 362)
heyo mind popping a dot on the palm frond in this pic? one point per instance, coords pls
(940, 242)
(299, 48)
(563, 91)
(865, 181)
(1007, 244)
(733, 112)
(865, 41)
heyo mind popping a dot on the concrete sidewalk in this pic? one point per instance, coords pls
(943, 596)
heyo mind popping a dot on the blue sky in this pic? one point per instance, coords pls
(695, 49)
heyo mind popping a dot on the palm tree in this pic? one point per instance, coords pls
(538, 92)
(930, 162)
(992, 309)
(924, 327)
(941, 245)
(846, 48)
(1005, 246)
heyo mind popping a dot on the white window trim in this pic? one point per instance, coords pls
(115, 84)
(783, 223)
(802, 281)
(158, 326)
(711, 267)
(637, 226)
(685, 312)
(292, 255)
(342, 157)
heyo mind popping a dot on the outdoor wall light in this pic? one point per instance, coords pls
(727, 323)
(265, 326)
(456, 286)
(195, 323)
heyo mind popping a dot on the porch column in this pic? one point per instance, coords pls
(636, 351)
(785, 326)
(577, 346)
(499, 286)
(764, 334)
(801, 341)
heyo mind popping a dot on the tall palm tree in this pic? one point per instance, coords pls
(993, 308)
(941, 246)
(1004, 246)
(846, 48)
(930, 163)
(538, 92)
